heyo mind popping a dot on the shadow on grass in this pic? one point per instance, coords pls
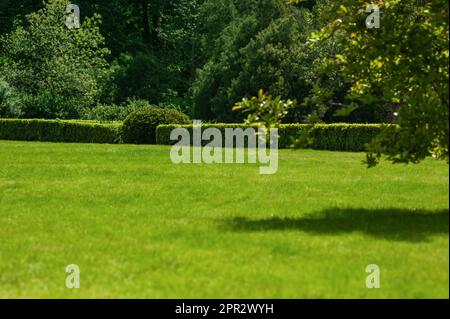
(391, 224)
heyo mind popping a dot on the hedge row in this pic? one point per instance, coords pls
(334, 137)
(59, 131)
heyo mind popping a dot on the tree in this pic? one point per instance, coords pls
(261, 47)
(58, 71)
(404, 63)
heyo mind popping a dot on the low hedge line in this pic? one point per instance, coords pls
(59, 131)
(334, 137)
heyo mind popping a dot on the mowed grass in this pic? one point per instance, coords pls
(139, 226)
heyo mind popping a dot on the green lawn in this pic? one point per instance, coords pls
(139, 226)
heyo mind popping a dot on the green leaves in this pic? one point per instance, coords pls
(262, 44)
(57, 71)
(264, 111)
(405, 63)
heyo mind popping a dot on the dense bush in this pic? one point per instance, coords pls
(10, 103)
(113, 112)
(105, 113)
(139, 127)
(57, 71)
(59, 131)
(335, 137)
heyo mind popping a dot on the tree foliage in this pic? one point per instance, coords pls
(404, 63)
(57, 70)
(261, 47)
(264, 110)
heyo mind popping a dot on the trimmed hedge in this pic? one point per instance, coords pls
(59, 131)
(333, 137)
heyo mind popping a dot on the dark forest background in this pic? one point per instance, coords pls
(197, 56)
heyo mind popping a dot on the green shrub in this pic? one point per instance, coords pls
(104, 113)
(109, 112)
(139, 127)
(114, 112)
(10, 103)
(58, 72)
(48, 105)
(334, 137)
(59, 131)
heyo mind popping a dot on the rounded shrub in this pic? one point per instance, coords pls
(140, 126)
